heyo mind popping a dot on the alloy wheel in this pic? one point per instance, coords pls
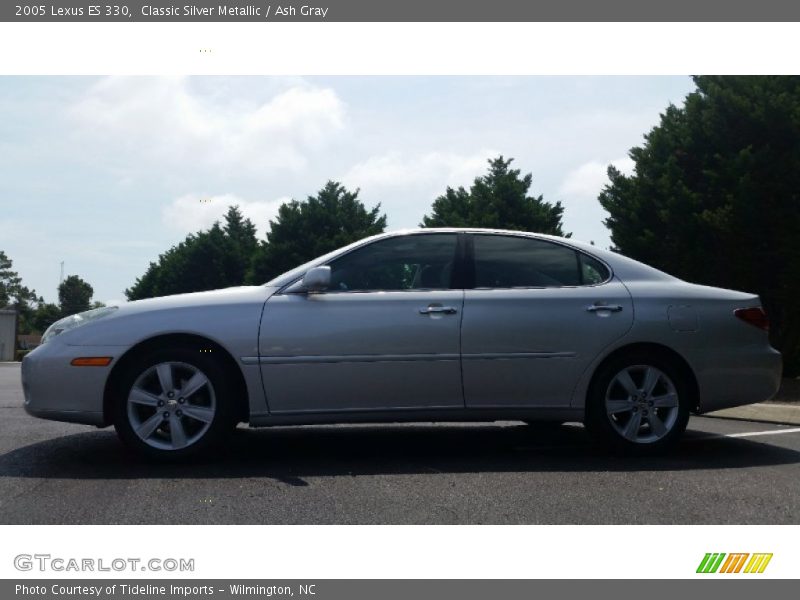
(642, 404)
(171, 405)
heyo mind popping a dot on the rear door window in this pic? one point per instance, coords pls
(504, 261)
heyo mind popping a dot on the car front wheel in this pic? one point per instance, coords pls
(173, 404)
(639, 403)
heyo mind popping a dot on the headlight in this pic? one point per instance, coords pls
(74, 321)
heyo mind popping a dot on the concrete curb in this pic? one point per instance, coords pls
(785, 414)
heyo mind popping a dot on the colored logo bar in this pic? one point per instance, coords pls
(737, 562)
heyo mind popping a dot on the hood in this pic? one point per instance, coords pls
(211, 313)
(231, 295)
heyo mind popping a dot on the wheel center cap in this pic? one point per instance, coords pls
(172, 402)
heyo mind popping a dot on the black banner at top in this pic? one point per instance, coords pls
(400, 10)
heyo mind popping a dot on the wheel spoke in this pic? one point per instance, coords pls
(199, 413)
(197, 381)
(656, 424)
(632, 428)
(140, 396)
(666, 401)
(147, 428)
(651, 377)
(614, 407)
(177, 433)
(624, 379)
(164, 371)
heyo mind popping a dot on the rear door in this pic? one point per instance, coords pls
(538, 315)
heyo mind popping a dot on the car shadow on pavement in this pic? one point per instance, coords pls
(291, 454)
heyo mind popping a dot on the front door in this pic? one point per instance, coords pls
(384, 336)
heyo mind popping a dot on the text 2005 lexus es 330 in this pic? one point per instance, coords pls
(428, 325)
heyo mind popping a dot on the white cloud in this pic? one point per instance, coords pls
(193, 212)
(166, 121)
(578, 193)
(406, 185)
(588, 179)
(441, 168)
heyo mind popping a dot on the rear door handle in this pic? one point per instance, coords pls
(608, 307)
(447, 310)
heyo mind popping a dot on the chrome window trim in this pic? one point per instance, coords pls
(285, 290)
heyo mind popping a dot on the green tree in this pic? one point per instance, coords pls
(74, 295)
(242, 242)
(715, 196)
(333, 218)
(15, 295)
(216, 258)
(45, 315)
(12, 292)
(9, 280)
(498, 200)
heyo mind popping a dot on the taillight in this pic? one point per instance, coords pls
(755, 316)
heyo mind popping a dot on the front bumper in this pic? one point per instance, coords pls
(58, 391)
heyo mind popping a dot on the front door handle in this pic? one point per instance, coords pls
(446, 310)
(608, 307)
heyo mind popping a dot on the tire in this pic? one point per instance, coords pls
(639, 403)
(173, 404)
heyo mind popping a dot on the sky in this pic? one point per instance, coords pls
(106, 173)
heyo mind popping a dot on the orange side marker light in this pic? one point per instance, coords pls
(91, 361)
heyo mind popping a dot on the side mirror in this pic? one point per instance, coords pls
(317, 279)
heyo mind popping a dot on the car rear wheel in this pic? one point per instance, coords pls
(173, 404)
(639, 403)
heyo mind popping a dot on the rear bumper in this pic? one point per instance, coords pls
(56, 390)
(734, 377)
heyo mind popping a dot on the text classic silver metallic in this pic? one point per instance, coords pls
(423, 325)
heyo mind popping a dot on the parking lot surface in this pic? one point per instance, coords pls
(724, 471)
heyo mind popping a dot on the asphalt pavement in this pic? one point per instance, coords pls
(724, 471)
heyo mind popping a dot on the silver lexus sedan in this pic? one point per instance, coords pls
(423, 325)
